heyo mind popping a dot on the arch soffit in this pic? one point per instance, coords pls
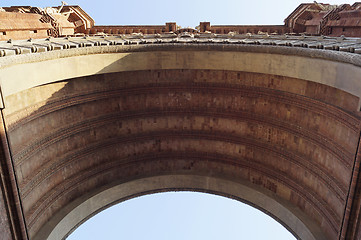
(341, 75)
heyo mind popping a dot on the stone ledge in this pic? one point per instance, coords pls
(340, 49)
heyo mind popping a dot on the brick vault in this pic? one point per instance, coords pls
(91, 120)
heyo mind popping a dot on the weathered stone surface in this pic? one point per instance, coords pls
(267, 130)
(5, 226)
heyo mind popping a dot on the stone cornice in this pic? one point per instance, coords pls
(346, 50)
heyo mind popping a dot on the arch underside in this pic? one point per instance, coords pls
(283, 144)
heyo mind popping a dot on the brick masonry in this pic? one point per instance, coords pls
(269, 130)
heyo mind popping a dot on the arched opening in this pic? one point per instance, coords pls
(104, 124)
(181, 215)
(277, 209)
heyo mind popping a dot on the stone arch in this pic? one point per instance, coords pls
(259, 117)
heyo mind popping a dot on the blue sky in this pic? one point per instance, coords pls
(185, 13)
(180, 215)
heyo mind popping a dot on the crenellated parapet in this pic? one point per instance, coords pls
(309, 19)
(143, 29)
